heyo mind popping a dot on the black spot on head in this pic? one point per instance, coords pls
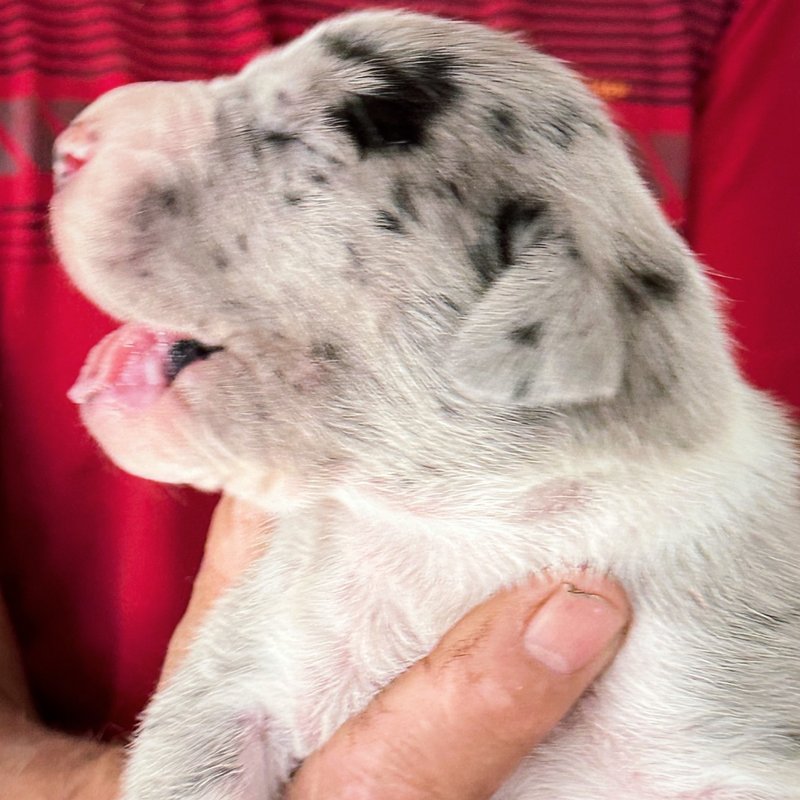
(399, 111)
(169, 200)
(292, 199)
(565, 123)
(319, 178)
(521, 389)
(561, 131)
(505, 128)
(454, 190)
(447, 410)
(648, 275)
(448, 190)
(401, 196)
(262, 139)
(389, 222)
(519, 224)
(278, 139)
(241, 242)
(325, 351)
(449, 303)
(483, 257)
(773, 621)
(221, 261)
(527, 335)
(158, 202)
(354, 270)
(349, 49)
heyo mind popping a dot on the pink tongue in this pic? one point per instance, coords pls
(126, 367)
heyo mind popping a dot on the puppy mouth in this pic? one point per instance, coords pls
(184, 352)
(135, 365)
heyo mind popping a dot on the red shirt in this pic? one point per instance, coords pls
(96, 566)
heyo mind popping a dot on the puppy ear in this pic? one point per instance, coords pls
(545, 332)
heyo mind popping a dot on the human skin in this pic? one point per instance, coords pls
(452, 727)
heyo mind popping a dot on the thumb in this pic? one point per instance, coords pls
(457, 723)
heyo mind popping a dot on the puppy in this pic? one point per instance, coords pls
(399, 284)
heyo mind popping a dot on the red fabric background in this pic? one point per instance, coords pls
(744, 205)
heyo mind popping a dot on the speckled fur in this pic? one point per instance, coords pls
(461, 345)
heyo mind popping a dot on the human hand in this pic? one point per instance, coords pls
(453, 726)
(457, 723)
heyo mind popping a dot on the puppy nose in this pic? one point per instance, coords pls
(73, 148)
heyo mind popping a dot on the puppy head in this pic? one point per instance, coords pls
(398, 235)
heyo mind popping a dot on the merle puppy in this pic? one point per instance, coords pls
(399, 285)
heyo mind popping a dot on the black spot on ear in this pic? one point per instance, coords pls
(527, 335)
(399, 111)
(389, 222)
(505, 128)
(519, 224)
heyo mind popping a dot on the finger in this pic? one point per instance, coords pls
(456, 724)
(238, 534)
